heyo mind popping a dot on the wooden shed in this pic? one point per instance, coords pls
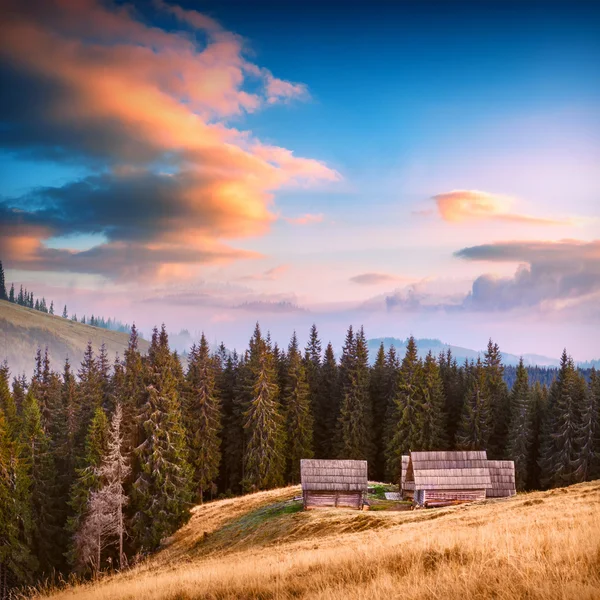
(405, 460)
(502, 474)
(447, 477)
(333, 483)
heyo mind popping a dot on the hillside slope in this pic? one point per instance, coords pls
(543, 545)
(23, 330)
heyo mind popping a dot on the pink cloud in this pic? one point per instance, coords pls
(472, 205)
(269, 275)
(375, 278)
(306, 219)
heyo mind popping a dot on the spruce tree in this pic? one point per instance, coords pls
(233, 407)
(559, 455)
(432, 418)
(89, 396)
(11, 294)
(408, 404)
(355, 417)
(132, 391)
(17, 564)
(162, 491)
(329, 404)
(392, 367)
(264, 425)
(65, 314)
(378, 390)
(539, 406)
(588, 438)
(37, 458)
(476, 421)
(497, 394)
(519, 432)
(3, 294)
(318, 402)
(453, 378)
(299, 418)
(202, 418)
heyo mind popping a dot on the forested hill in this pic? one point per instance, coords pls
(459, 353)
(23, 330)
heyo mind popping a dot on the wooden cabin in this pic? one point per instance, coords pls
(502, 474)
(405, 459)
(435, 478)
(333, 483)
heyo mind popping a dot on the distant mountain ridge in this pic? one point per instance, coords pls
(461, 354)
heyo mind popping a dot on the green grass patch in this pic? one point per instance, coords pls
(257, 527)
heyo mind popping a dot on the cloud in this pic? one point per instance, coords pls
(552, 275)
(268, 275)
(280, 306)
(147, 111)
(374, 278)
(458, 206)
(306, 219)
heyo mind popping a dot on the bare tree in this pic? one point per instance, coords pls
(103, 524)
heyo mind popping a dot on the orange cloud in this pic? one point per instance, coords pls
(472, 205)
(128, 96)
(305, 219)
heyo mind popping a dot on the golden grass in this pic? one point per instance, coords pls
(544, 545)
(22, 330)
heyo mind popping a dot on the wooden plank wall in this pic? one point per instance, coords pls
(449, 495)
(333, 499)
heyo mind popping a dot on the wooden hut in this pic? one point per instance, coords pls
(447, 477)
(405, 459)
(333, 483)
(502, 474)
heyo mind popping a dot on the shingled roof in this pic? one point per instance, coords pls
(333, 475)
(502, 474)
(464, 470)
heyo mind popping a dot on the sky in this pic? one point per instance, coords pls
(420, 168)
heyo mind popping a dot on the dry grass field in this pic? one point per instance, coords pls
(543, 545)
(22, 330)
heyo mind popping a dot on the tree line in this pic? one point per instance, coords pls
(98, 466)
(25, 298)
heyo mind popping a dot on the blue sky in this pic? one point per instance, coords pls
(153, 163)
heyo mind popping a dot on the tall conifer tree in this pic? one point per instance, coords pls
(405, 431)
(559, 458)
(264, 425)
(202, 418)
(299, 418)
(476, 420)
(497, 395)
(162, 491)
(37, 457)
(329, 404)
(355, 417)
(519, 431)
(432, 418)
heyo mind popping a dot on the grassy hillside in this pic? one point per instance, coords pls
(22, 330)
(542, 545)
